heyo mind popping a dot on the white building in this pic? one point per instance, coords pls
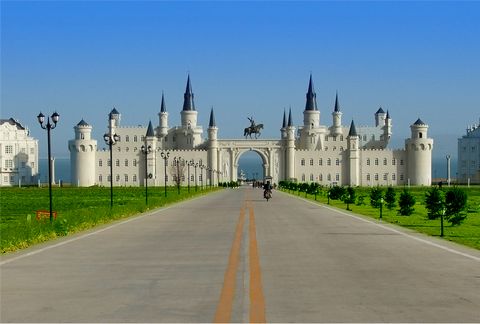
(18, 154)
(469, 156)
(335, 154)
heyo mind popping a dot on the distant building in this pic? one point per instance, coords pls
(469, 155)
(18, 154)
(335, 154)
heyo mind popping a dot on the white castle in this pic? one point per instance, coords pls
(335, 154)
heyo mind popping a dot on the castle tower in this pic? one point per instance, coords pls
(353, 156)
(380, 117)
(82, 156)
(189, 114)
(387, 129)
(212, 147)
(290, 149)
(337, 118)
(114, 118)
(419, 155)
(163, 119)
(151, 145)
(311, 115)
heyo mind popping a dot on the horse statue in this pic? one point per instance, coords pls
(253, 129)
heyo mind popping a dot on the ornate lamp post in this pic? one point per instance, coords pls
(41, 119)
(448, 169)
(196, 184)
(165, 158)
(201, 174)
(110, 140)
(145, 150)
(189, 164)
(381, 207)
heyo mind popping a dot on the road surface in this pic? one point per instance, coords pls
(233, 257)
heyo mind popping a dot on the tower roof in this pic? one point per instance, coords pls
(388, 114)
(212, 119)
(163, 107)
(353, 130)
(188, 103)
(337, 106)
(419, 122)
(284, 124)
(113, 112)
(150, 132)
(311, 103)
(290, 121)
(83, 123)
(380, 111)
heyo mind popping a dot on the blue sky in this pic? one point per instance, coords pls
(417, 59)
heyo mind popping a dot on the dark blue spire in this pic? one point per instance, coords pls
(163, 107)
(337, 106)
(290, 121)
(311, 103)
(284, 119)
(212, 119)
(188, 103)
(150, 132)
(353, 130)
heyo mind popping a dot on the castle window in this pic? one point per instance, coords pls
(401, 162)
(401, 177)
(200, 177)
(320, 162)
(329, 177)
(117, 178)
(326, 138)
(337, 162)
(341, 137)
(394, 162)
(321, 177)
(142, 138)
(334, 139)
(385, 176)
(368, 161)
(385, 161)
(8, 149)
(127, 138)
(329, 161)
(376, 161)
(126, 177)
(9, 164)
(82, 136)
(326, 148)
(100, 163)
(135, 138)
(126, 162)
(134, 178)
(117, 163)
(311, 177)
(82, 148)
(311, 162)
(302, 162)
(376, 176)
(100, 178)
(364, 137)
(420, 135)
(368, 176)
(337, 177)
(134, 162)
(393, 176)
(303, 177)
(334, 148)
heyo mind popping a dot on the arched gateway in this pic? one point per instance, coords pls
(335, 154)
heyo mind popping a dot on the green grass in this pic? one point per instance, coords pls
(77, 208)
(468, 233)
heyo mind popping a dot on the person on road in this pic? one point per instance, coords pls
(267, 189)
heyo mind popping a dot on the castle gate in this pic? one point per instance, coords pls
(270, 151)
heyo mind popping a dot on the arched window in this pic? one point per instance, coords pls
(337, 162)
(385, 161)
(135, 138)
(320, 162)
(329, 161)
(368, 161)
(127, 138)
(311, 162)
(376, 161)
(420, 135)
(126, 162)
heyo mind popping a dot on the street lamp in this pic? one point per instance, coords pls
(145, 150)
(448, 169)
(110, 140)
(176, 161)
(195, 166)
(441, 220)
(165, 158)
(41, 119)
(381, 207)
(201, 173)
(189, 164)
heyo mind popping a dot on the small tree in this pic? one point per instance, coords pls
(455, 204)
(349, 196)
(406, 202)
(361, 200)
(337, 192)
(390, 198)
(434, 202)
(376, 194)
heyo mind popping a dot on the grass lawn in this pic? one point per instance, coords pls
(468, 233)
(77, 208)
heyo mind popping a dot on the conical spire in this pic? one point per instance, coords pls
(290, 121)
(150, 132)
(212, 119)
(311, 103)
(163, 107)
(188, 103)
(284, 124)
(337, 106)
(353, 130)
(388, 115)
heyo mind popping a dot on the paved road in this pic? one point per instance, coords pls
(233, 257)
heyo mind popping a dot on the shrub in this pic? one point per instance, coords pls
(406, 203)
(390, 198)
(376, 195)
(455, 205)
(337, 192)
(434, 202)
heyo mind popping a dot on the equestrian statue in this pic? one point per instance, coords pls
(252, 129)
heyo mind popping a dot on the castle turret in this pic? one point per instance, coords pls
(311, 115)
(82, 156)
(337, 118)
(163, 119)
(283, 130)
(189, 114)
(353, 156)
(419, 155)
(380, 117)
(387, 129)
(114, 116)
(212, 147)
(290, 149)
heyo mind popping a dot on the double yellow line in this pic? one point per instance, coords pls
(257, 301)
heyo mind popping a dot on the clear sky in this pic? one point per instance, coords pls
(416, 59)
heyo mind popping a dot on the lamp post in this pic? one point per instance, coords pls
(176, 161)
(195, 166)
(441, 221)
(328, 197)
(110, 140)
(381, 207)
(165, 158)
(41, 119)
(189, 164)
(448, 169)
(145, 150)
(201, 174)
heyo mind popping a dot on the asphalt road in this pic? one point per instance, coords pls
(233, 257)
